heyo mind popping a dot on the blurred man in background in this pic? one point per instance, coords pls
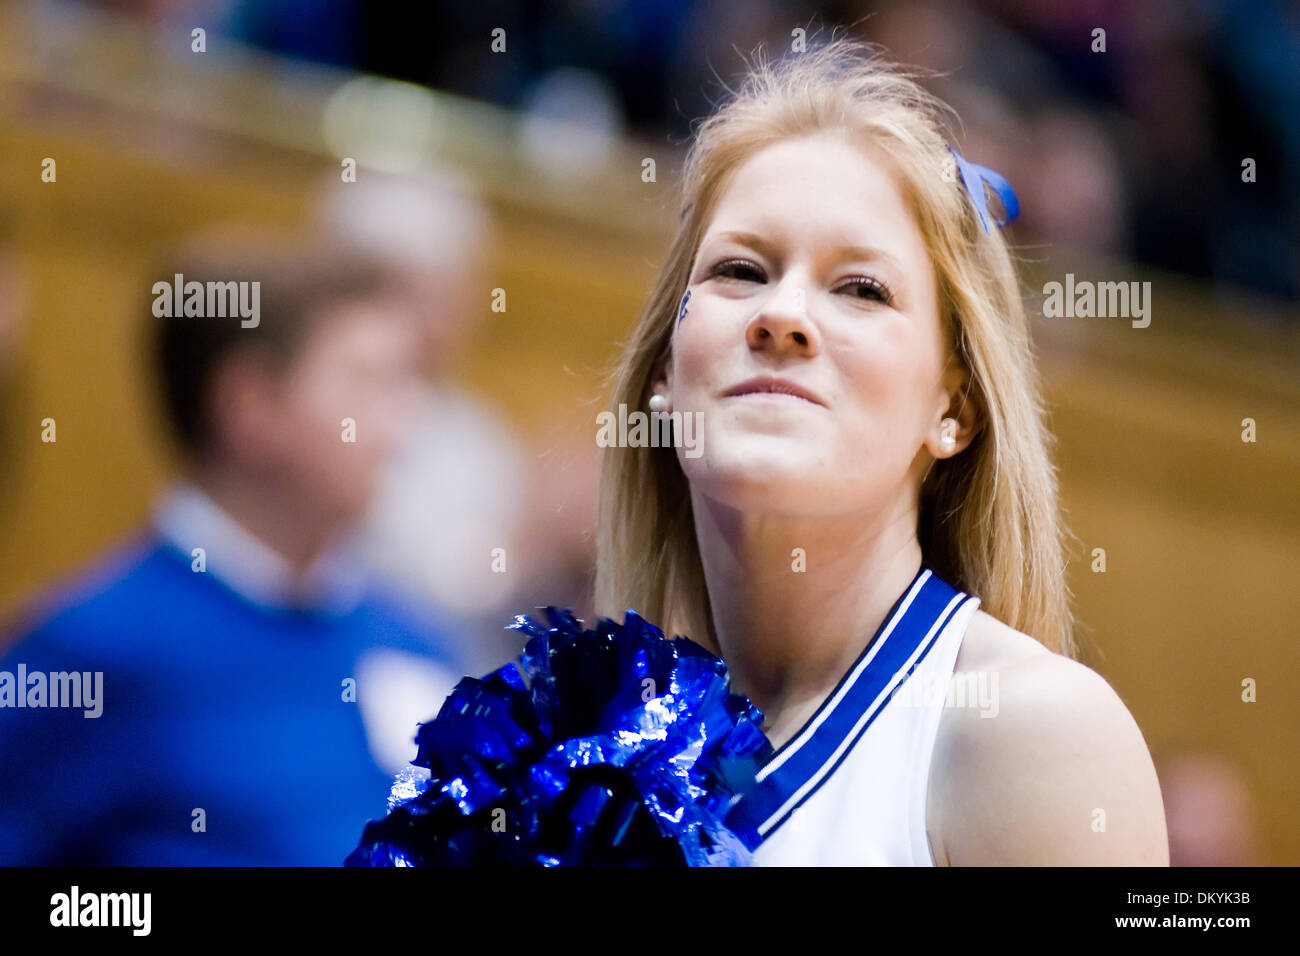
(232, 709)
(469, 519)
(458, 489)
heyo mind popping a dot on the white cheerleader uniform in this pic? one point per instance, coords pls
(850, 788)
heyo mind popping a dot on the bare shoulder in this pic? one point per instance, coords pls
(1050, 769)
(990, 645)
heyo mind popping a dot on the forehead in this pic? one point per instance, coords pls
(822, 188)
(352, 327)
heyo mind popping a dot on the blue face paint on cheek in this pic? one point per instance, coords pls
(681, 309)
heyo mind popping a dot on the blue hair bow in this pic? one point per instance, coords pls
(974, 177)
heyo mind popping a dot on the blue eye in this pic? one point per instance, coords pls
(741, 270)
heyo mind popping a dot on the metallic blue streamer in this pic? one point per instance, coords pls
(560, 761)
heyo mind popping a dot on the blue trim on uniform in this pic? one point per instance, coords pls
(809, 758)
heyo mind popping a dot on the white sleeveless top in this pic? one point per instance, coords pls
(850, 788)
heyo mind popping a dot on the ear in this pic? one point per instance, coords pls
(958, 400)
(242, 408)
(661, 376)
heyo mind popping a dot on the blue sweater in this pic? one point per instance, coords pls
(209, 702)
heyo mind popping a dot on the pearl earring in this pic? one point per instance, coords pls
(948, 441)
(658, 403)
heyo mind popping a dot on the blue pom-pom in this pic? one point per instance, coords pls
(611, 746)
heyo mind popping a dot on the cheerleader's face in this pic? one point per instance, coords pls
(811, 347)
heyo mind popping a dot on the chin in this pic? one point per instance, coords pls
(768, 475)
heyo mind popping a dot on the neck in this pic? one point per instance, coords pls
(278, 516)
(788, 636)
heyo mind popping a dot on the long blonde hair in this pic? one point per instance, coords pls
(989, 521)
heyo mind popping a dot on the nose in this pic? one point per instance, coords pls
(782, 324)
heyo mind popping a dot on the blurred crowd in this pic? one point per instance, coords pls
(330, 558)
(1133, 148)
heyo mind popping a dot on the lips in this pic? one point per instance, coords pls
(771, 385)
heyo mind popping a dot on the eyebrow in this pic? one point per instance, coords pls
(767, 247)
